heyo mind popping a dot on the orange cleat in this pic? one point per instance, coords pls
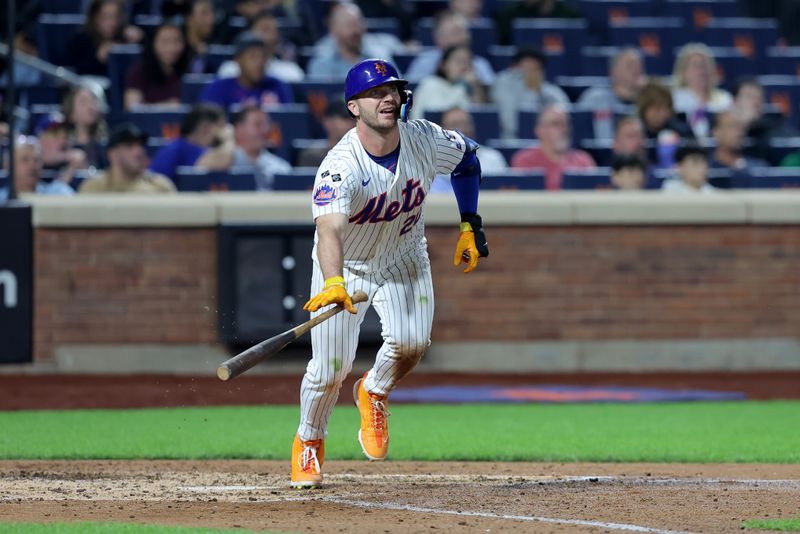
(307, 459)
(374, 433)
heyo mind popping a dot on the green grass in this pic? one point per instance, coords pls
(669, 432)
(108, 528)
(782, 525)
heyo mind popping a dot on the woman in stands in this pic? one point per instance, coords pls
(695, 90)
(155, 78)
(105, 26)
(86, 126)
(454, 85)
(663, 130)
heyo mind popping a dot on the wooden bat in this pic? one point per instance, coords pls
(233, 367)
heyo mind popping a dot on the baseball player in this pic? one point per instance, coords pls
(367, 205)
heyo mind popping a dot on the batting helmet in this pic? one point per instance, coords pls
(368, 74)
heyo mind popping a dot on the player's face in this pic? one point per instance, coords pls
(379, 107)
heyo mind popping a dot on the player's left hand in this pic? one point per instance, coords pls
(471, 242)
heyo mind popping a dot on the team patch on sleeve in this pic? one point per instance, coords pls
(324, 194)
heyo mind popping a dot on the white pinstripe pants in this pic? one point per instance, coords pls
(403, 298)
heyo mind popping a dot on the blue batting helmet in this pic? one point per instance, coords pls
(368, 74)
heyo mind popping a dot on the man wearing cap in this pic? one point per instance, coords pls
(55, 153)
(127, 172)
(251, 86)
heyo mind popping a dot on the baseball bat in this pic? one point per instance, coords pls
(233, 367)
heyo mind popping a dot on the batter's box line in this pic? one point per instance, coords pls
(512, 517)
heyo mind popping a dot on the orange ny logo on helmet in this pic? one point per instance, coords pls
(380, 68)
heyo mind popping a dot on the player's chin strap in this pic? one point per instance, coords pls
(406, 101)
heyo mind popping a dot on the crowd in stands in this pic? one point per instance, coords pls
(255, 87)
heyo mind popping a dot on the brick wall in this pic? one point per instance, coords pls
(588, 282)
(123, 286)
(540, 283)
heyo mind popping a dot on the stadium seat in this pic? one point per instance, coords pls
(53, 33)
(780, 147)
(601, 150)
(383, 25)
(599, 178)
(482, 34)
(655, 36)
(298, 145)
(553, 36)
(120, 59)
(783, 92)
(192, 86)
(60, 7)
(775, 177)
(317, 95)
(300, 179)
(698, 13)
(289, 121)
(513, 179)
(154, 144)
(600, 12)
(37, 111)
(217, 55)
(751, 36)
(155, 121)
(190, 179)
(783, 60)
(147, 22)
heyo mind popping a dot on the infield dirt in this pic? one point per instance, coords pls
(403, 496)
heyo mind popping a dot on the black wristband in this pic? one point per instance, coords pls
(476, 223)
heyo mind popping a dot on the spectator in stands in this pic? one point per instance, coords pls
(25, 40)
(57, 156)
(492, 161)
(28, 171)
(155, 78)
(629, 138)
(86, 126)
(201, 128)
(728, 132)
(627, 76)
(347, 43)
(470, 9)
(337, 121)
(127, 172)
(523, 86)
(695, 90)
(287, 71)
(450, 29)
(628, 172)
(251, 86)
(199, 30)
(748, 104)
(692, 171)
(455, 84)
(530, 9)
(105, 27)
(248, 152)
(661, 127)
(554, 154)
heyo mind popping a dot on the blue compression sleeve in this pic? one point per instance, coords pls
(466, 179)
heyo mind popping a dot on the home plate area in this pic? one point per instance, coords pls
(403, 496)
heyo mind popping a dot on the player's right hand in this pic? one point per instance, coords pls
(334, 292)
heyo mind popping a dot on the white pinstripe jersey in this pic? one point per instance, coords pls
(384, 207)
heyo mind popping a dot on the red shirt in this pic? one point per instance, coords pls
(534, 158)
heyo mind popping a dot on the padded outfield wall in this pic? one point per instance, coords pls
(595, 281)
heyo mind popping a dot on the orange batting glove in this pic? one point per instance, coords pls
(333, 292)
(471, 242)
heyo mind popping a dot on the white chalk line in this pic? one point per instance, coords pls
(512, 517)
